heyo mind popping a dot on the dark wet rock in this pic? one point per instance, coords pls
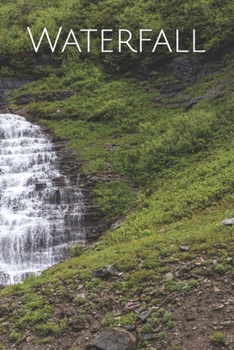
(179, 73)
(104, 272)
(8, 84)
(115, 339)
(172, 87)
(40, 187)
(43, 60)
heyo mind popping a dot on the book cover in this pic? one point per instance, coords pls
(116, 174)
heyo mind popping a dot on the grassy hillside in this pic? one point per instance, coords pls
(119, 120)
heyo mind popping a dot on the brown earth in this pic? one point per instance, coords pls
(195, 314)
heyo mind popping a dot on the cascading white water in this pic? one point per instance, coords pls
(38, 218)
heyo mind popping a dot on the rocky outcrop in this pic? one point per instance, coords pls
(9, 84)
(176, 75)
(53, 95)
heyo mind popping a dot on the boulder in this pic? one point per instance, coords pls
(115, 339)
(228, 222)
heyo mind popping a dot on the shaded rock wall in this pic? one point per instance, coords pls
(94, 222)
(174, 76)
(9, 84)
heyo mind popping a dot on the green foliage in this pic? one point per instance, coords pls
(79, 300)
(221, 268)
(162, 335)
(146, 328)
(35, 317)
(53, 328)
(15, 336)
(76, 250)
(115, 198)
(34, 311)
(214, 25)
(46, 340)
(125, 319)
(108, 321)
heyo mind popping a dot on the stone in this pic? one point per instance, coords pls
(169, 276)
(104, 272)
(147, 336)
(143, 315)
(189, 317)
(82, 295)
(184, 248)
(117, 224)
(115, 339)
(132, 305)
(227, 222)
(191, 103)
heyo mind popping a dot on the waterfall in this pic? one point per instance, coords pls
(40, 210)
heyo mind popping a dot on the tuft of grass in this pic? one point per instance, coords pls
(51, 328)
(218, 338)
(15, 336)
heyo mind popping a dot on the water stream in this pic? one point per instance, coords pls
(40, 210)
